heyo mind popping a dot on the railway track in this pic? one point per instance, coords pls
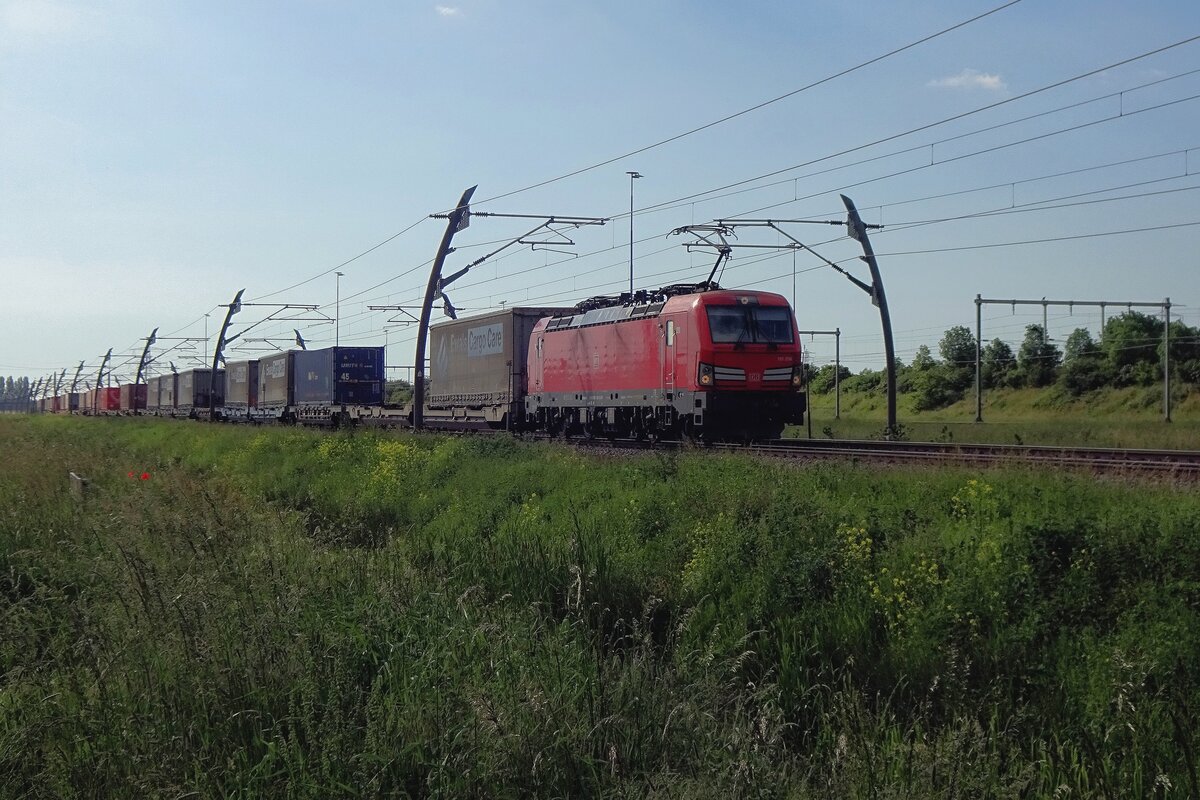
(1178, 463)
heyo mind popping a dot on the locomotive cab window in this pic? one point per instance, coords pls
(670, 333)
(728, 324)
(756, 324)
(772, 324)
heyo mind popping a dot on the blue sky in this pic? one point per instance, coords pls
(156, 157)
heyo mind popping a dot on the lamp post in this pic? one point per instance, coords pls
(337, 309)
(632, 177)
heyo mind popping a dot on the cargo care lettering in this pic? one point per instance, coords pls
(485, 341)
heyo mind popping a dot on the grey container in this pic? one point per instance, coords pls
(241, 384)
(153, 389)
(275, 380)
(192, 391)
(480, 361)
(168, 390)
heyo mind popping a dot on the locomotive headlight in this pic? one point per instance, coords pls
(706, 374)
(798, 376)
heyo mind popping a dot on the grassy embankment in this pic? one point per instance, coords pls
(286, 613)
(1129, 417)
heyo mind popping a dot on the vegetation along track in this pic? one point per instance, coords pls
(1174, 463)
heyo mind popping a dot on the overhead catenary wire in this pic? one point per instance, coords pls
(1034, 206)
(649, 209)
(952, 118)
(746, 262)
(692, 200)
(348, 261)
(676, 137)
(960, 157)
(984, 151)
(1052, 204)
(757, 107)
(895, 136)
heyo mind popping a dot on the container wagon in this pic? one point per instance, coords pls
(241, 390)
(274, 388)
(168, 391)
(477, 369)
(154, 394)
(321, 387)
(133, 398)
(193, 389)
(337, 384)
(105, 400)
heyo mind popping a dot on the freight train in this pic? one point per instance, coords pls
(687, 360)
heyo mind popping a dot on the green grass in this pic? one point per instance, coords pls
(289, 613)
(1113, 418)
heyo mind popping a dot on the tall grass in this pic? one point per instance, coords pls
(1130, 417)
(288, 613)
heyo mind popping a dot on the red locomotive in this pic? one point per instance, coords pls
(685, 360)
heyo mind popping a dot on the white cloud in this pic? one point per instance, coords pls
(448, 11)
(971, 79)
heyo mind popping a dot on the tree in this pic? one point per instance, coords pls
(1130, 344)
(822, 381)
(958, 347)
(934, 388)
(397, 392)
(1185, 352)
(923, 359)
(933, 384)
(958, 354)
(869, 381)
(998, 365)
(906, 377)
(1038, 358)
(1084, 367)
(1079, 344)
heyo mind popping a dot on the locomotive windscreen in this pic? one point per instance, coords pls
(756, 324)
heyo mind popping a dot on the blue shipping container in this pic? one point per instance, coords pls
(339, 376)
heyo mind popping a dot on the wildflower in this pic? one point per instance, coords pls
(145, 476)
